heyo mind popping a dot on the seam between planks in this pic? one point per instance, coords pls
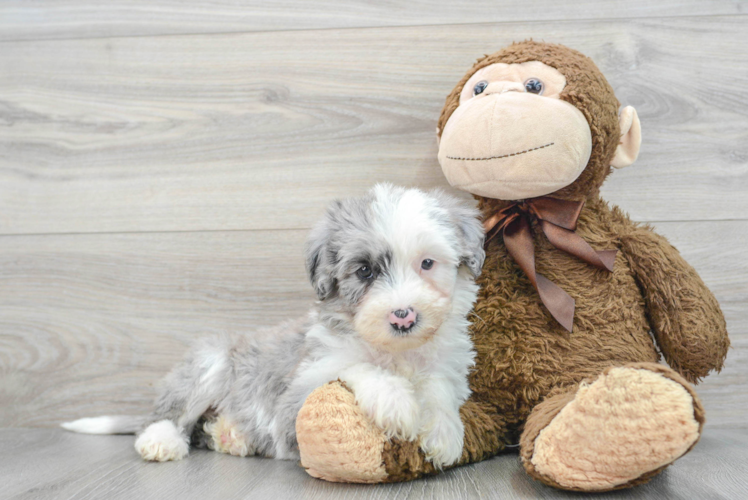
(397, 26)
(270, 229)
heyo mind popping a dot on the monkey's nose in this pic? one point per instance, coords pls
(403, 319)
(504, 87)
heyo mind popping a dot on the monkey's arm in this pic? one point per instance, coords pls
(337, 442)
(685, 317)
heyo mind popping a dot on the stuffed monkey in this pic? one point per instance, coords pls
(577, 303)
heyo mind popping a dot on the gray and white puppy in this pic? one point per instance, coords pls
(394, 272)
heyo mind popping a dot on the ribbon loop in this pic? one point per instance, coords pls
(571, 243)
(558, 220)
(563, 213)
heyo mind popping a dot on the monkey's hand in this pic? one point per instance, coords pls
(685, 316)
(338, 442)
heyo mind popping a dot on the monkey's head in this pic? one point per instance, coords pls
(534, 119)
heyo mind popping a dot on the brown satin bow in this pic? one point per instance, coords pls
(558, 219)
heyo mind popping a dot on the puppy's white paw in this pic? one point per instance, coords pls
(392, 407)
(399, 418)
(442, 440)
(161, 442)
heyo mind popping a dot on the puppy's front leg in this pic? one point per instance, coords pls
(387, 399)
(442, 433)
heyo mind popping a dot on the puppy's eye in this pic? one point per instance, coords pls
(480, 87)
(365, 273)
(534, 86)
(427, 264)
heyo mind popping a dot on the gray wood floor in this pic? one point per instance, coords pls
(39, 464)
(162, 162)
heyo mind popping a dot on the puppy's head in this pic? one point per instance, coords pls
(393, 262)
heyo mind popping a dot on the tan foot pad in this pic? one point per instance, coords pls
(336, 440)
(624, 425)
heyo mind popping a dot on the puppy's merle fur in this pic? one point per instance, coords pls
(394, 273)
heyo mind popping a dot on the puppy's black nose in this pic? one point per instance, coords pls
(400, 313)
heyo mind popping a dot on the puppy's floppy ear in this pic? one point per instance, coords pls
(472, 233)
(319, 263)
(466, 219)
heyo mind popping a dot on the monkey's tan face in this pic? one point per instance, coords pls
(511, 137)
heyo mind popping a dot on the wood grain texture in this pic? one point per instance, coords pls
(258, 131)
(45, 19)
(43, 464)
(156, 188)
(90, 322)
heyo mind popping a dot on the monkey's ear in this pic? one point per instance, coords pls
(631, 138)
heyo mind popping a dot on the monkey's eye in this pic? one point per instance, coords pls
(479, 87)
(365, 273)
(534, 86)
(427, 264)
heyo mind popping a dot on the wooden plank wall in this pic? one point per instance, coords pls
(160, 165)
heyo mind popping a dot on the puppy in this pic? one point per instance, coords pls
(394, 273)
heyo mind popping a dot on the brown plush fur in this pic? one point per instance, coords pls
(523, 354)
(524, 357)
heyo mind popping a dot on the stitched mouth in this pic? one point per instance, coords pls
(502, 156)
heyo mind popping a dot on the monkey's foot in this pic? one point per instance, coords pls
(616, 432)
(226, 438)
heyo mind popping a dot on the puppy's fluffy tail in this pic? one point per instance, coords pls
(121, 424)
